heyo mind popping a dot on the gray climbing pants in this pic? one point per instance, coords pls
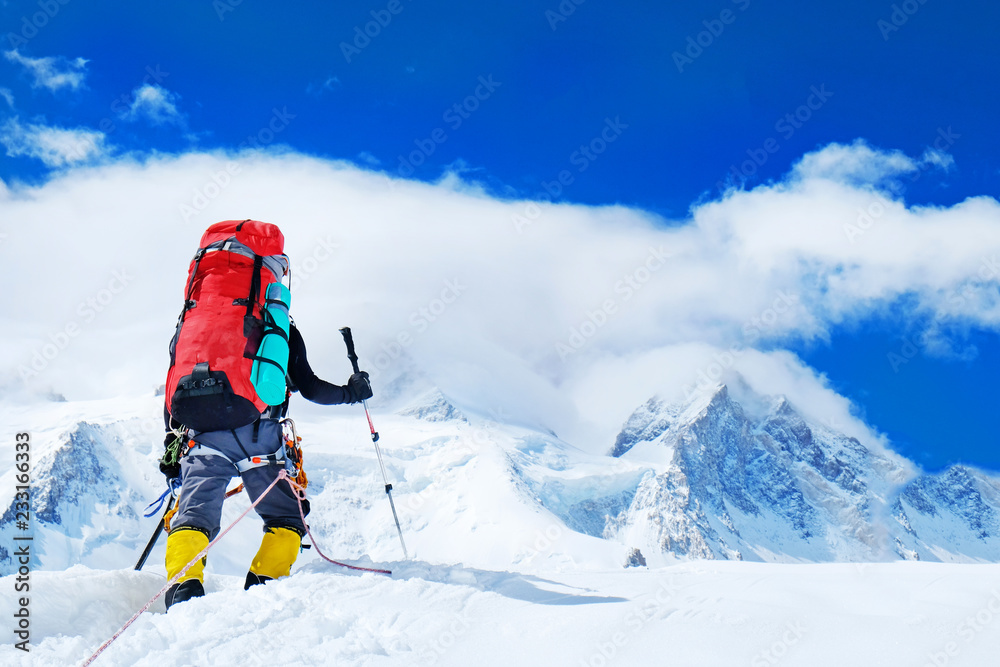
(208, 467)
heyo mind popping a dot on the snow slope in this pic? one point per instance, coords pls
(698, 614)
(518, 543)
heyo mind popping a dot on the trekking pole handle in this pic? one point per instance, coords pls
(349, 340)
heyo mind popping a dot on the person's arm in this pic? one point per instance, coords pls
(311, 387)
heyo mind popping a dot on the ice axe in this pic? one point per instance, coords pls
(349, 340)
(155, 537)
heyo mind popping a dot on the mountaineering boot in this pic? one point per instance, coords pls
(277, 552)
(185, 590)
(254, 579)
(183, 544)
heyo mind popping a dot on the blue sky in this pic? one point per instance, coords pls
(671, 101)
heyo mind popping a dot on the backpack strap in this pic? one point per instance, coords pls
(188, 301)
(258, 261)
(238, 443)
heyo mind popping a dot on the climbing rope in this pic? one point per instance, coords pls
(183, 571)
(300, 494)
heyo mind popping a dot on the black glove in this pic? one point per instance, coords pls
(358, 388)
(170, 470)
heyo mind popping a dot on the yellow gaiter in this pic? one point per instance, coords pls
(183, 544)
(278, 550)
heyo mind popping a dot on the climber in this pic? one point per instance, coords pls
(233, 337)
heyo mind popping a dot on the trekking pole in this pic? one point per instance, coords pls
(156, 536)
(349, 340)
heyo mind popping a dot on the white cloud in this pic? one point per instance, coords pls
(7, 96)
(154, 103)
(52, 72)
(366, 158)
(55, 146)
(854, 163)
(481, 293)
(317, 89)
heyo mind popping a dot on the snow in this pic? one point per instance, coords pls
(693, 614)
(510, 564)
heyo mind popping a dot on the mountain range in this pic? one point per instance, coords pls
(724, 474)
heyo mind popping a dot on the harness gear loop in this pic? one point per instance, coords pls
(293, 452)
(176, 448)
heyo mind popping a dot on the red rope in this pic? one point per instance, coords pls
(300, 494)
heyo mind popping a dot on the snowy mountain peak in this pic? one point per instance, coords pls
(956, 512)
(770, 485)
(433, 406)
(85, 495)
(654, 418)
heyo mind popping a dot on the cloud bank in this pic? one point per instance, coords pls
(554, 314)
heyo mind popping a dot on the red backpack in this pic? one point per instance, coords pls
(220, 328)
